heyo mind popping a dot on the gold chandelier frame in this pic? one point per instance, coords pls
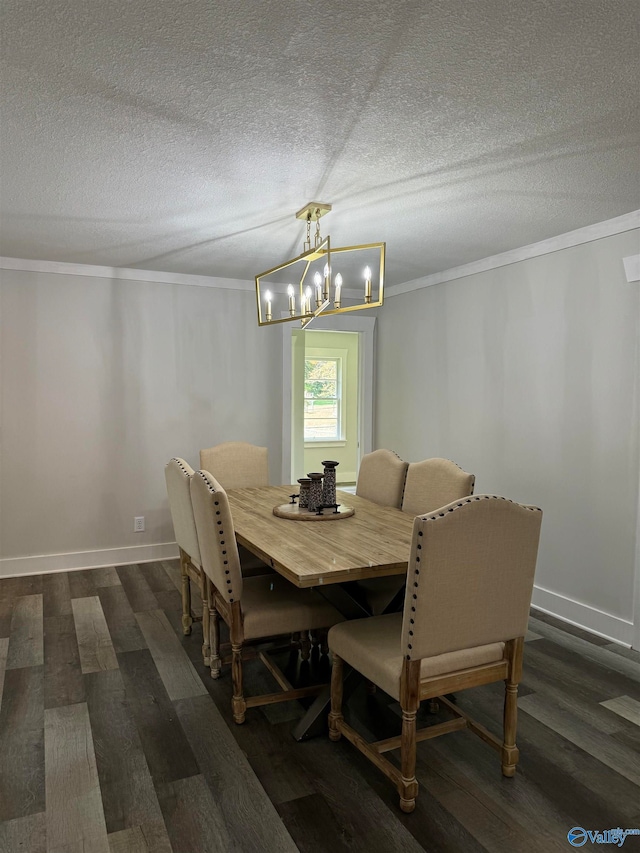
(326, 293)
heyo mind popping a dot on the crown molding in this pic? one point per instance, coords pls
(122, 274)
(588, 234)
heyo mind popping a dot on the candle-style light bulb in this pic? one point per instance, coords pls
(367, 284)
(317, 280)
(307, 301)
(336, 300)
(292, 301)
(327, 281)
(268, 296)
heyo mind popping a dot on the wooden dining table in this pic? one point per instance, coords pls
(326, 554)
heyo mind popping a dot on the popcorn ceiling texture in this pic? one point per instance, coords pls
(183, 136)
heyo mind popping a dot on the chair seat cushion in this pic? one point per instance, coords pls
(271, 606)
(372, 646)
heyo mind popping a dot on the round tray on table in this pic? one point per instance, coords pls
(294, 512)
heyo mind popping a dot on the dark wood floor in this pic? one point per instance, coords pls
(114, 738)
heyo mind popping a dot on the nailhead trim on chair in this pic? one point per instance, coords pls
(405, 473)
(438, 515)
(180, 465)
(220, 533)
(468, 501)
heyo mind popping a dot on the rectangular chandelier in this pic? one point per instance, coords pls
(321, 280)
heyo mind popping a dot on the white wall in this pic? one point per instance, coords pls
(528, 376)
(102, 382)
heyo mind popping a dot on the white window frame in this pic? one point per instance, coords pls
(341, 426)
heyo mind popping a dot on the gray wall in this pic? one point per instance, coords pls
(102, 382)
(528, 377)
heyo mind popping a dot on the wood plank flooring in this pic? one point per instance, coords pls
(114, 739)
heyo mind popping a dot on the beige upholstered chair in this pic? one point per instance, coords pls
(253, 608)
(469, 589)
(239, 465)
(429, 484)
(433, 483)
(381, 478)
(178, 474)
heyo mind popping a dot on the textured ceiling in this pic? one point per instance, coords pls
(182, 135)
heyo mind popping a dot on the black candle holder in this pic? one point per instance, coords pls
(305, 483)
(315, 492)
(329, 484)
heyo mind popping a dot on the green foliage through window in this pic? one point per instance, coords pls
(322, 393)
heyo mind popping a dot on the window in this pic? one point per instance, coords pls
(322, 399)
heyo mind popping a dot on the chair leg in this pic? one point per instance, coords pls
(204, 592)
(238, 702)
(510, 752)
(187, 621)
(335, 715)
(408, 786)
(305, 645)
(214, 642)
(324, 642)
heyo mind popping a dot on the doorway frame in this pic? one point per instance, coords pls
(365, 327)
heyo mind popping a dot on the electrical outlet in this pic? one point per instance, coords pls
(138, 524)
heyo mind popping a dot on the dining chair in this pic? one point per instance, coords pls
(381, 478)
(254, 608)
(470, 581)
(429, 484)
(433, 483)
(239, 465)
(178, 474)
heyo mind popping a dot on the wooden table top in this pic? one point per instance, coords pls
(373, 542)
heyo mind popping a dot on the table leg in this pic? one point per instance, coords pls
(349, 601)
(397, 602)
(347, 598)
(314, 722)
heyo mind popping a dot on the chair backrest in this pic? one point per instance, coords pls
(381, 478)
(470, 576)
(178, 474)
(433, 483)
(237, 464)
(216, 535)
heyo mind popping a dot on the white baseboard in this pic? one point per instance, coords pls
(45, 563)
(583, 616)
(574, 612)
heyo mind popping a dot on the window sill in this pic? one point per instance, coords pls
(322, 443)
